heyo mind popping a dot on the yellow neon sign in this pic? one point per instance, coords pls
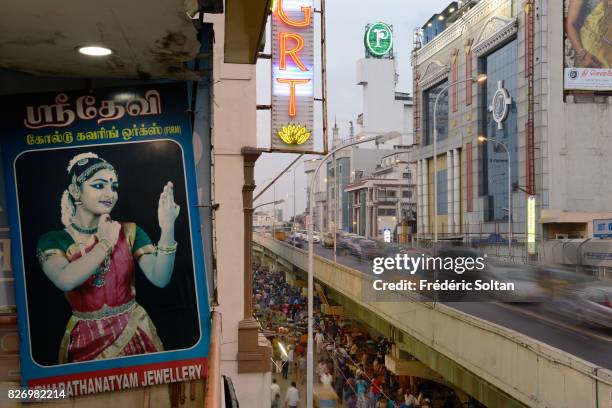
(294, 134)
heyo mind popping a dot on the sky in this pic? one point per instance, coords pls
(346, 21)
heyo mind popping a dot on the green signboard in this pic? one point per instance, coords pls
(379, 40)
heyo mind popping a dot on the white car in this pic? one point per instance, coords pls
(316, 238)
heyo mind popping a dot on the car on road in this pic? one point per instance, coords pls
(353, 245)
(589, 303)
(295, 241)
(328, 240)
(370, 249)
(316, 238)
(527, 288)
(344, 240)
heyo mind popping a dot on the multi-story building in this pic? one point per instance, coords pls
(555, 138)
(384, 110)
(386, 199)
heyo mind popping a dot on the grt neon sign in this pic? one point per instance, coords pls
(292, 74)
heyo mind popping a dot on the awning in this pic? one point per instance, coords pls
(245, 23)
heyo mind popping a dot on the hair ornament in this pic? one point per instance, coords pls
(81, 159)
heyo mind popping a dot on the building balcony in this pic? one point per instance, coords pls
(386, 201)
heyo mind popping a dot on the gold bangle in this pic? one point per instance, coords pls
(168, 250)
(108, 248)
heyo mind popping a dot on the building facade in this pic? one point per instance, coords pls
(385, 200)
(521, 113)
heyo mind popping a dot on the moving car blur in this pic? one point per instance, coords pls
(560, 292)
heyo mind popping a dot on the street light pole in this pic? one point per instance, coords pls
(336, 195)
(309, 350)
(483, 139)
(293, 226)
(479, 79)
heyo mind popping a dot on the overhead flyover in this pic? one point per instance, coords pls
(497, 366)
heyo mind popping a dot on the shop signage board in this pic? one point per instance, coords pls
(106, 246)
(602, 228)
(531, 224)
(378, 40)
(293, 76)
(387, 235)
(587, 55)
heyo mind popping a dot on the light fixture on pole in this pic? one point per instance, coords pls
(269, 203)
(294, 198)
(309, 353)
(479, 79)
(484, 139)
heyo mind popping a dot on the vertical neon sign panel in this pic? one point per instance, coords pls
(293, 75)
(531, 224)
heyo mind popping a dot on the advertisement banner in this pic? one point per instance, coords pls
(105, 239)
(588, 48)
(293, 76)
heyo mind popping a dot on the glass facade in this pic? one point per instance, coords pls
(429, 100)
(501, 68)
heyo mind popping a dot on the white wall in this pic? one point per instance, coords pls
(381, 111)
(579, 143)
(235, 97)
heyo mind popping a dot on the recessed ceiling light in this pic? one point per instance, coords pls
(95, 51)
(451, 10)
(429, 24)
(440, 17)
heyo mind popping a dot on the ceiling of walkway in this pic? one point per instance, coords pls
(149, 39)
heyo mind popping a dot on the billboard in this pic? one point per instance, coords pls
(588, 45)
(106, 248)
(293, 76)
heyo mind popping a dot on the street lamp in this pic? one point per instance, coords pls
(479, 79)
(296, 166)
(309, 353)
(268, 203)
(484, 139)
(273, 215)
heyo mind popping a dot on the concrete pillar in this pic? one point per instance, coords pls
(425, 197)
(457, 190)
(419, 187)
(450, 193)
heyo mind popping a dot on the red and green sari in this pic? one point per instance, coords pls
(106, 321)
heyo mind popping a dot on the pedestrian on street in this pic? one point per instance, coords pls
(362, 387)
(285, 360)
(302, 368)
(276, 401)
(290, 359)
(274, 389)
(292, 398)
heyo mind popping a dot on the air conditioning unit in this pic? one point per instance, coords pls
(561, 236)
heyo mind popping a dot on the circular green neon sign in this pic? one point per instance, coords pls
(379, 39)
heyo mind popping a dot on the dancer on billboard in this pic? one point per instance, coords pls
(93, 261)
(589, 30)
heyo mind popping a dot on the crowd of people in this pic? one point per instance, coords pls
(349, 360)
